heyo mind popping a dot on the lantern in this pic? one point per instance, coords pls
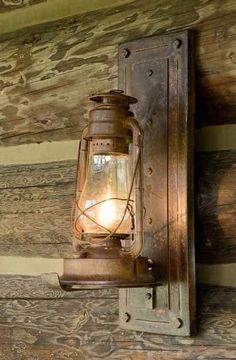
(107, 215)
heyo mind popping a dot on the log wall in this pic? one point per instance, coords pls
(37, 323)
(35, 201)
(9, 5)
(46, 74)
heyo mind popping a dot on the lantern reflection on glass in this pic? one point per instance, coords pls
(105, 194)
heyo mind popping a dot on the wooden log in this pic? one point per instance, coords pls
(32, 287)
(47, 72)
(35, 203)
(216, 206)
(88, 329)
(9, 5)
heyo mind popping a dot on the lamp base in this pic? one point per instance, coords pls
(101, 273)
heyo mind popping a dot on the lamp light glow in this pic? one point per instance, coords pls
(107, 208)
(105, 194)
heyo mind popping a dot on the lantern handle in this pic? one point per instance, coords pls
(79, 183)
(135, 249)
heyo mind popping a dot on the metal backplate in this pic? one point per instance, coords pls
(158, 71)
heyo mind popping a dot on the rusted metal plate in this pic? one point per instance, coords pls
(158, 71)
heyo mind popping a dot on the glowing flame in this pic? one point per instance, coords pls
(107, 215)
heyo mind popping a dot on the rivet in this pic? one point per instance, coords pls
(149, 220)
(178, 323)
(148, 296)
(127, 317)
(177, 43)
(149, 171)
(126, 53)
(150, 72)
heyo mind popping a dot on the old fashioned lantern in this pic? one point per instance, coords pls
(107, 215)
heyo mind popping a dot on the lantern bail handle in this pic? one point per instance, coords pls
(135, 249)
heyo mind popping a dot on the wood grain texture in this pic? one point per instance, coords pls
(59, 328)
(46, 72)
(35, 205)
(35, 202)
(216, 206)
(32, 287)
(9, 5)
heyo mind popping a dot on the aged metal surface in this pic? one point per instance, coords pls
(216, 206)
(159, 73)
(46, 72)
(97, 273)
(36, 324)
(102, 259)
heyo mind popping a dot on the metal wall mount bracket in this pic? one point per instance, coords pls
(159, 72)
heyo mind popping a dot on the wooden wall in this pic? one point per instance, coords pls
(37, 323)
(46, 74)
(36, 200)
(9, 5)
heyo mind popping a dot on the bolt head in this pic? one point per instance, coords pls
(127, 317)
(177, 43)
(178, 323)
(148, 296)
(150, 72)
(126, 53)
(149, 171)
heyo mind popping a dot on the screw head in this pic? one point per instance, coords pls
(127, 317)
(150, 72)
(148, 296)
(149, 171)
(177, 43)
(126, 53)
(178, 323)
(150, 220)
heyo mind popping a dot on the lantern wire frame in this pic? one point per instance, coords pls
(132, 250)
